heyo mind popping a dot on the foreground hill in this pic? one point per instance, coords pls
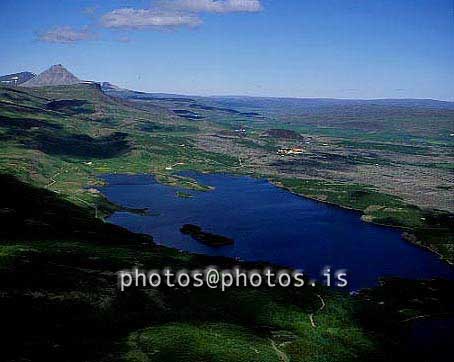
(59, 300)
(58, 259)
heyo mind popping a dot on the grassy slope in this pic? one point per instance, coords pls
(64, 147)
(58, 263)
(72, 148)
(71, 309)
(59, 299)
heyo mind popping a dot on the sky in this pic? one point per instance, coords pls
(283, 48)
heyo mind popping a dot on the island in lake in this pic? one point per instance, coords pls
(204, 237)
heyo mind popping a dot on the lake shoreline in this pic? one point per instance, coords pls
(408, 238)
(232, 184)
(407, 232)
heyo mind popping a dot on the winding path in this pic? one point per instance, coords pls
(281, 354)
(52, 179)
(311, 316)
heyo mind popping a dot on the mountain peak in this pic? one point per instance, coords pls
(55, 75)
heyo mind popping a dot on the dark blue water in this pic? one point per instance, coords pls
(271, 224)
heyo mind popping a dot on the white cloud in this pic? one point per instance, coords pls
(142, 18)
(212, 6)
(65, 34)
(174, 13)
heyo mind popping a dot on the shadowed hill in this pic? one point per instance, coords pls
(32, 213)
(59, 299)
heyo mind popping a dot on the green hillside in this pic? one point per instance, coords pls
(58, 258)
(62, 137)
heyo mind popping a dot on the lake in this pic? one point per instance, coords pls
(270, 224)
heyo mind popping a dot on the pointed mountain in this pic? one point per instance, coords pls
(55, 75)
(16, 78)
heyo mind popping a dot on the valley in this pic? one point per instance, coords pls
(80, 131)
(58, 141)
(227, 181)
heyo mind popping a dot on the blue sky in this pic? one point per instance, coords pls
(295, 48)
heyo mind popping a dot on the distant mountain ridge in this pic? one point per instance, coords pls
(16, 78)
(58, 75)
(315, 103)
(280, 102)
(55, 75)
